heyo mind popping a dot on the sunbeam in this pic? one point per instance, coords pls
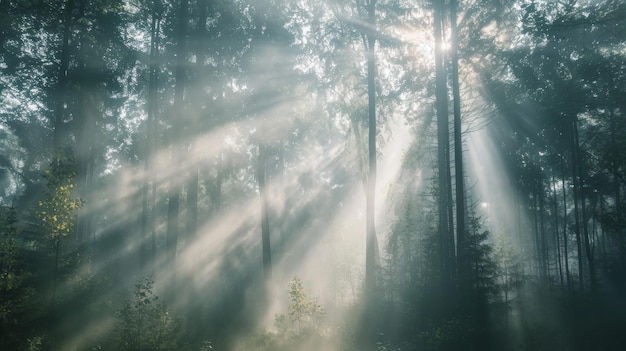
(256, 175)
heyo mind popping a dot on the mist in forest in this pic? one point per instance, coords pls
(295, 175)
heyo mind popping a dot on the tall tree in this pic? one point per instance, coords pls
(148, 212)
(443, 144)
(371, 251)
(461, 243)
(174, 188)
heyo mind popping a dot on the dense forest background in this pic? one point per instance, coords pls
(312, 175)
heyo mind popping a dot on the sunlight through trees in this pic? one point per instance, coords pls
(312, 175)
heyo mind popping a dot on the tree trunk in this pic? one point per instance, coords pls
(559, 265)
(152, 109)
(194, 171)
(565, 241)
(535, 206)
(84, 128)
(443, 142)
(265, 224)
(462, 265)
(575, 180)
(174, 186)
(371, 250)
(542, 232)
(451, 242)
(585, 219)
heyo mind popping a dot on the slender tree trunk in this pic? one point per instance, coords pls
(618, 209)
(603, 234)
(55, 275)
(143, 221)
(557, 244)
(174, 186)
(153, 125)
(619, 232)
(583, 208)
(542, 233)
(216, 191)
(538, 268)
(443, 142)
(194, 171)
(518, 223)
(565, 241)
(576, 199)
(147, 219)
(595, 232)
(83, 123)
(192, 202)
(462, 265)
(451, 242)
(265, 225)
(371, 251)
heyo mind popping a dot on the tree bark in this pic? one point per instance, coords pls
(443, 142)
(461, 248)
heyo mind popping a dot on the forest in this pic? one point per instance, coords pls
(273, 175)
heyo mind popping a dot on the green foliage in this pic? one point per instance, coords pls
(34, 344)
(411, 247)
(302, 324)
(16, 297)
(144, 324)
(446, 334)
(57, 211)
(510, 276)
(206, 345)
(482, 260)
(305, 315)
(10, 278)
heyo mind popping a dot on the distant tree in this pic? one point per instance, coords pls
(483, 264)
(143, 323)
(12, 295)
(57, 211)
(148, 194)
(178, 111)
(510, 278)
(303, 323)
